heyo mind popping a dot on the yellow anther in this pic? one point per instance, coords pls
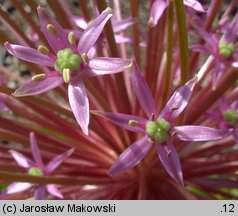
(71, 38)
(133, 123)
(38, 77)
(85, 59)
(66, 75)
(51, 28)
(43, 49)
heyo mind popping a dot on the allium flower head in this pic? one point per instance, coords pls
(70, 62)
(159, 129)
(36, 167)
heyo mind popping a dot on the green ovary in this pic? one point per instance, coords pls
(158, 129)
(35, 171)
(230, 115)
(66, 59)
(226, 49)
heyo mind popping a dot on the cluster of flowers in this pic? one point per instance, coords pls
(69, 62)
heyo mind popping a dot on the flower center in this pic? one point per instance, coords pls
(226, 50)
(66, 59)
(35, 171)
(230, 115)
(158, 129)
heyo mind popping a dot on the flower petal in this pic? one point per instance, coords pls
(156, 11)
(35, 150)
(52, 80)
(104, 65)
(199, 133)
(201, 48)
(93, 31)
(17, 187)
(178, 101)
(170, 160)
(78, 100)
(29, 54)
(58, 42)
(194, 4)
(143, 92)
(122, 120)
(21, 159)
(52, 189)
(130, 157)
(121, 25)
(40, 192)
(56, 161)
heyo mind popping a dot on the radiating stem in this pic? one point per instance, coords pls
(169, 50)
(183, 40)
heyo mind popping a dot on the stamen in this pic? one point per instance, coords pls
(85, 59)
(51, 28)
(43, 49)
(133, 123)
(71, 38)
(66, 75)
(38, 77)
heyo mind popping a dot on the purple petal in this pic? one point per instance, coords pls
(52, 189)
(17, 187)
(56, 161)
(156, 11)
(104, 65)
(35, 150)
(58, 42)
(52, 80)
(130, 157)
(29, 54)
(40, 192)
(199, 133)
(21, 160)
(224, 104)
(121, 25)
(201, 48)
(194, 4)
(143, 92)
(80, 22)
(170, 160)
(122, 39)
(122, 120)
(231, 30)
(93, 31)
(178, 101)
(78, 100)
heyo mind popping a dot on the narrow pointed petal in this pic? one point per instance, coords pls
(52, 189)
(104, 65)
(29, 54)
(130, 157)
(40, 193)
(143, 92)
(178, 101)
(194, 4)
(56, 161)
(35, 150)
(52, 80)
(156, 11)
(199, 133)
(58, 42)
(93, 31)
(78, 100)
(21, 159)
(17, 187)
(122, 120)
(231, 31)
(170, 161)
(121, 25)
(201, 49)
